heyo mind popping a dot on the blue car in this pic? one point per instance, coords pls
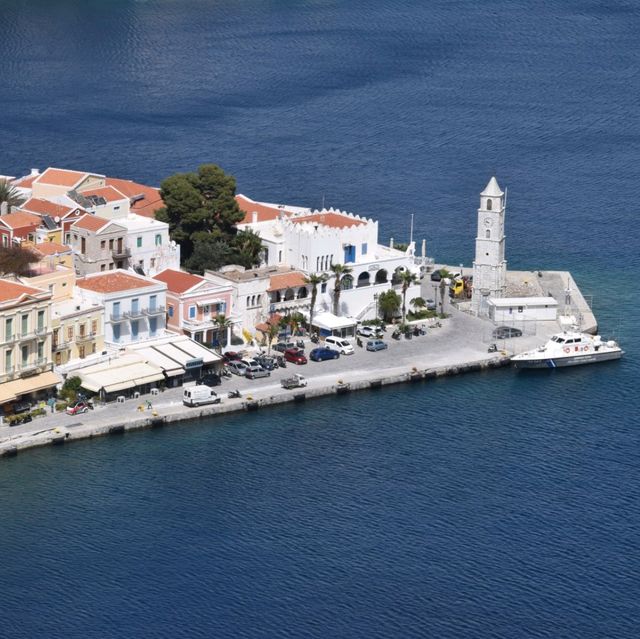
(320, 354)
(376, 345)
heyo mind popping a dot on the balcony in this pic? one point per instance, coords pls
(10, 338)
(32, 368)
(155, 310)
(87, 337)
(287, 305)
(41, 331)
(134, 313)
(121, 252)
(117, 317)
(199, 325)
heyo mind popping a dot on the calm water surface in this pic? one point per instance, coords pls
(497, 505)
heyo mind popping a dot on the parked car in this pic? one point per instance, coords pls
(253, 372)
(504, 332)
(231, 356)
(281, 347)
(267, 362)
(295, 356)
(321, 353)
(340, 344)
(376, 345)
(210, 379)
(237, 368)
(436, 276)
(78, 408)
(295, 381)
(369, 331)
(431, 305)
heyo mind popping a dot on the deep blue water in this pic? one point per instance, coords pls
(497, 505)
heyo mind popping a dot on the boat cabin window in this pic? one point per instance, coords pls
(558, 339)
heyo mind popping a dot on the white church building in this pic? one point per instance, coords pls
(312, 241)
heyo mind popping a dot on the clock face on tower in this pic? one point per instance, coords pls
(488, 221)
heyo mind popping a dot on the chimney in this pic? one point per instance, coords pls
(391, 243)
(34, 172)
(424, 248)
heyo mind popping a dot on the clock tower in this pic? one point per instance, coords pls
(489, 266)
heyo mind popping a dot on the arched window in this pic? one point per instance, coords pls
(253, 300)
(487, 234)
(395, 280)
(302, 292)
(489, 204)
(346, 283)
(289, 295)
(382, 277)
(363, 279)
(248, 300)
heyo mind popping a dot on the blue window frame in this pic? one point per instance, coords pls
(134, 328)
(153, 325)
(116, 332)
(192, 312)
(364, 248)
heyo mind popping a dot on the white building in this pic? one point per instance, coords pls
(314, 241)
(512, 310)
(490, 265)
(148, 241)
(134, 306)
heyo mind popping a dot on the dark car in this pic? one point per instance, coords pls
(431, 305)
(320, 354)
(504, 332)
(281, 347)
(231, 356)
(210, 379)
(436, 276)
(295, 356)
(267, 362)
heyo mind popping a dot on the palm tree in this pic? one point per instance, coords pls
(339, 270)
(223, 323)
(9, 196)
(407, 278)
(388, 304)
(272, 333)
(314, 279)
(418, 303)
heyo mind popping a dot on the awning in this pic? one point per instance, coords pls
(122, 373)
(10, 391)
(210, 302)
(196, 350)
(155, 356)
(331, 322)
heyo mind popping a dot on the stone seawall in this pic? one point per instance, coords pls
(257, 401)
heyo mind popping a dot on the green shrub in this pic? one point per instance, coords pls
(37, 412)
(70, 388)
(60, 406)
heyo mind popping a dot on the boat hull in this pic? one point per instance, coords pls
(561, 362)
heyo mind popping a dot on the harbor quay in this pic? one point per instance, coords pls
(455, 345)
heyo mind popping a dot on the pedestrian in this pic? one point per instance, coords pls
(149, 406)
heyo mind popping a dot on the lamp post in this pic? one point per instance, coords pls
(375, 297)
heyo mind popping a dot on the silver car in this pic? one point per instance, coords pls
(255, 371)
(237, 368)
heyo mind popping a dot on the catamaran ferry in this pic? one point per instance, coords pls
(569, 349)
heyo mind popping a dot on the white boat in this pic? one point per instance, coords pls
(569, 349)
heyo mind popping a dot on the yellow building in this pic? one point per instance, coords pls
(25, 342)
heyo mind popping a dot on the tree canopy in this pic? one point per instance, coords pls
(202, 212)
(15, 260)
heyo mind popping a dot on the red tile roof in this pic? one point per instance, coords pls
(25, 182)
(178, 281)
(265, 212)
(91, 223)
(109, 193)
(45, 207)
(147, 205)
(61, 177)
(286, 280)
(21, 219)
(112, 282)
(50, 248)
(13, 291)
(334, 220)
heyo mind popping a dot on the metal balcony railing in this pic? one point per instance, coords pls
(117, 317)
(155, 310)
(85, 337)
(134, 313)
(121, 252)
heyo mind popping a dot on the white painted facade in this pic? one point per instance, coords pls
(522, 309)
(313, 241)
(130, 315)
(490, 265)
(148, 241)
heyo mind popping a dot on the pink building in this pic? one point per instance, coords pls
(194, 306)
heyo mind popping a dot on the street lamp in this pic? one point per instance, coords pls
(375, 297)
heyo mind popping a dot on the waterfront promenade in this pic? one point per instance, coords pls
(459, 344)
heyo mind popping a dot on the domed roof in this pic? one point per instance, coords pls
(492, 189)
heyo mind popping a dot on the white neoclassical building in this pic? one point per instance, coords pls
(489, 265)
(312, 241)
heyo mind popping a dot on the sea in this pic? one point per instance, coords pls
(501, 505)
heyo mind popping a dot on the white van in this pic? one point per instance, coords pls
(339, 344)
(198, 395)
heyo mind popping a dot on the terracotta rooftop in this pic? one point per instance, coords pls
(113, 282)
(109, 193)
(334, 220)
(286, 280)
(265, 213)
(91, 223)
(25, 182)
(13, 291)
(178, 281)
(45, 207)
(21, 219)
(146, 205)
(61, 177)
(50, 248)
